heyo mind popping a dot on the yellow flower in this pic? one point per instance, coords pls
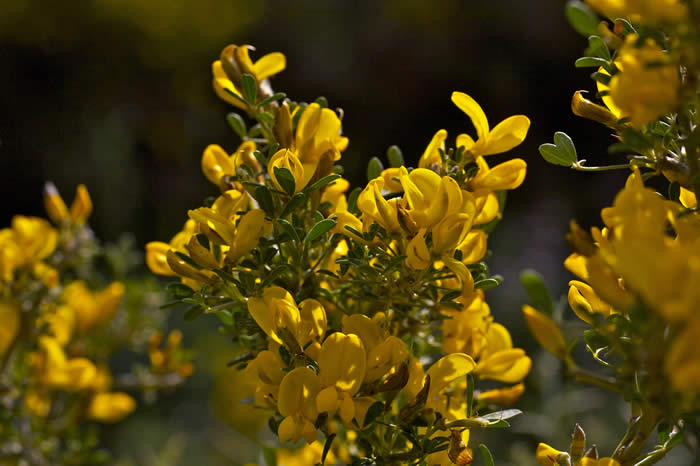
(506, 175)
(93, 309)
(377, 209)
(234, 62)
(429, 198)
(297, 403)
(80, 209)
(584, 301)
(506, 135)
(110, 407)
(11, 318)
(688, 198)
(53, 369)
(442, 374)
(318, 136)
(585, 461)
(545, 331)
(417, 252)
(646, 86)
(304, 456)
(499, 360)
(285, 158)
(216, 163)
(548, 456)
(157, 251)
(342, 364)
(431, 155)
(249, 230)
(34, 237)
(642, 11)
(502, 396)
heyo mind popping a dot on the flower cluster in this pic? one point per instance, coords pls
(636, 275)
(57, 335)
(362, 313)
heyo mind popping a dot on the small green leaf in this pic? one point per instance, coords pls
(250, 88)
(395, 156)
(288, 228)
(601, 77)
(322, 102)
(470, 395)
(585, 62)
(321, 183)
(597, 48)
(285, 180)
(267, 118)
(537, 291)
(352, 200)
(225, 317)
(297, 201)
(501, 415)
(188, 259)
(582, 18)
(179, 290)
(319, 229)
(273, 98)
(486, 284)
(562, 152)
(237, 124)
(327, 448)
(373, 412)
(192, 312)
(260, 157)
(236, 96)
(264, 198)
(486, 454)
(374, 168)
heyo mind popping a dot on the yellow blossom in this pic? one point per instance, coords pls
(93, 309)
(502, 396)
(506, 175)
(504, 136)
(216, 163)
(545, 331)
(297, 403)
(646, 86)
(548, 456)
(642, 11)
(377, 209)
(285, 158)
(110, 407)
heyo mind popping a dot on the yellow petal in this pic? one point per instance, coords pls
(342, 362)
(417, 253)
(431, 155)
(110, 407)
(216, 163)
(298, 392)
(269, 64)
(53, 203)
(81, 208)
(469, 106)
(545, 331)
(506, 135)
(473, 246)
(548, 456)
(364, 327)
(10, 318)
(506, 175)
(156, 258)
(502, 396)
(446, 370)
(327, 400)
(222, 84)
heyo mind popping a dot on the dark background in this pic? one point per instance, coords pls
(117, 94)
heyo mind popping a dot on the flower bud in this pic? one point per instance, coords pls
(578, 443)
(55, 207)
(283, 126)
(584, 108)
(81, 208)
(285, 158)
(230, 65)
(545, 331)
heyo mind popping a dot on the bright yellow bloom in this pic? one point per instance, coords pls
(431, 155)
(235, 61)
(585, 302)
(304, 456)
(93, 309)
(10, 317)
(548, 456)
(642, 11)
(646, 86)
(52, 369)
(442, 374)
(377, 209)
(499, 360)
(157, 251)
(342, 363)
(545, 331)
(110, 407)
(318, 136)
(28, 241)
(80, 209)
(506, 175)
(506, 135)
(688, 199)
(285, 158)
(297, 403)
(417, 253)
(216, 163)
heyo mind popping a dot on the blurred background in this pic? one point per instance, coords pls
(117, 94)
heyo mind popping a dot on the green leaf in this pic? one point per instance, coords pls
(270, 454)
(179, 290)
(470, 395)
(192, 312)
(327, 448)
(601, 78)
(501, 415)
(260, 157)
(562, 152)
(225, 317)
(374, 168)
(297, 201)
(237, 124)
(273, 98)
(486, 284)
(352, 200)
(319, 229)
(267, 118)
(322, 102)
(582, 18)
(250, 88)
(321, 183)
(236, 96)
(537, 291)
(288, 228)
(486, 454)
(597, 48)
(373, 412)
(188, 260)
(395, 156)
(264, 198)
(285, 180)
(585, 62)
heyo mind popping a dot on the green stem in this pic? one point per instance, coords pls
(639, 430)
(582, 168)
(585, 376)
